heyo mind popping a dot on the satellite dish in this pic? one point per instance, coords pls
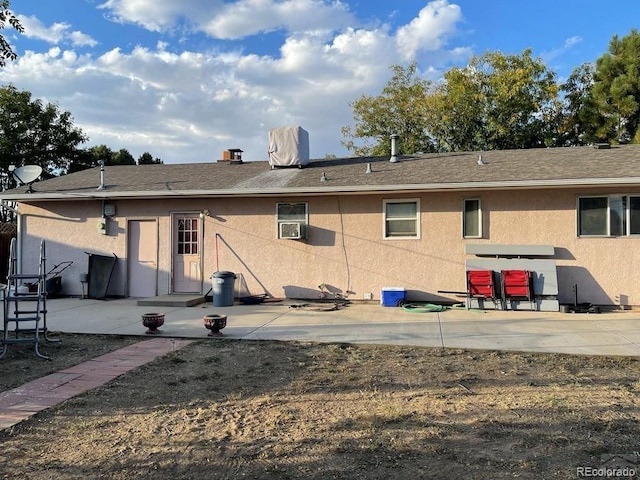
(27, 175)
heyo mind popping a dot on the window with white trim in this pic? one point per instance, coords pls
(188, 234)
(287, 213)
(471, 218)
(608, 216)
(401, 218)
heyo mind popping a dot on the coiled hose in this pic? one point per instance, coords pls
(429, 307)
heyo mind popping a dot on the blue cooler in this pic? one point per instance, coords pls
(392, 296)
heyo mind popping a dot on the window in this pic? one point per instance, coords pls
(288, 213)
(188, 234)
(609, 216)
(401, 219)
(471, 218)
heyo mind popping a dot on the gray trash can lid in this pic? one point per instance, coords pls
(223, 274)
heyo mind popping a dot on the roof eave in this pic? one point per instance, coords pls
(326, 190)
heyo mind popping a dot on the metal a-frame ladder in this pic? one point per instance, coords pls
(25, 304)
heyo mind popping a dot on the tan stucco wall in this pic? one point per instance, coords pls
(345, 248)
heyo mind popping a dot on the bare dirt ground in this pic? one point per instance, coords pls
(222, 409)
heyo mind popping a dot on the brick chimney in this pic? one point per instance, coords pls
(232, 155)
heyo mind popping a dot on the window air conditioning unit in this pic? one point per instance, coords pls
(291, 230)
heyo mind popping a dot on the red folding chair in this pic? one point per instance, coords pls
(517, 285)
(481, 285)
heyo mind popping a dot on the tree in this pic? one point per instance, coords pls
(147, 159)
(579, 120)
(6, 52)
(35, 133)
(83, 160)
(456, 111)
(497, 102)
(122, 157)
(400, 109)
(616, 90)
(90, 158)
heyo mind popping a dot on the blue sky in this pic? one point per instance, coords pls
(185, 80)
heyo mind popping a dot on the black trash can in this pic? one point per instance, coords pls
(222, 288)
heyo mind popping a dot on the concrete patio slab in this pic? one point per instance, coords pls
(607, 333)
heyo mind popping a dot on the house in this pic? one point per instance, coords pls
(347, 226)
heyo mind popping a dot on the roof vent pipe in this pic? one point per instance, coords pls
(394, 148)
(102, 186)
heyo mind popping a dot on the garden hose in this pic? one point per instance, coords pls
(423, 307)
(432, 307)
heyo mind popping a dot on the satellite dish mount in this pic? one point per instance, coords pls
(27, 175)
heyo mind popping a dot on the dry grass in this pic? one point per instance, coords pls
(273, 410)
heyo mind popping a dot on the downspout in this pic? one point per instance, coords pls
(103, 221)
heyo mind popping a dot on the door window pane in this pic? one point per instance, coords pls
(187, 236)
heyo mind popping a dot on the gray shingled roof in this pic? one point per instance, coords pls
(553, 167)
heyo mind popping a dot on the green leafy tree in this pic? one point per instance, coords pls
(6, 17)
(400, 109)
(122, 157)
(147, 159)
(83, 159)
(101, 153)
(90, 158)
(497, 102)
(578, 123)
(36, 133)
(456, 112)
(616, 90)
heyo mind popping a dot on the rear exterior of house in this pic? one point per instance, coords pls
(173, 249)
(355, 237)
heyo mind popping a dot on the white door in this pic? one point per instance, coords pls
(187, 276)
(143, 258)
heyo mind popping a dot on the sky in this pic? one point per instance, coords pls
(187, 79)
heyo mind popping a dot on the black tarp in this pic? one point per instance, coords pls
(100, 270)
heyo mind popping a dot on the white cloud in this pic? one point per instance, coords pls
(184, 105)
(430, 29)
(79, 39)
(58, 32)
(568, 45)
(154, 15)
(570, 42)
(231, 20)
(35, 29)
(249, 17)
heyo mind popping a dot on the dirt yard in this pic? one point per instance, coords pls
(222, 409)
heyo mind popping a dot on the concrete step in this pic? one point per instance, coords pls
(174, 300)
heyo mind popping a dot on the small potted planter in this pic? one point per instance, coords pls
(215, 323)
(152, 321)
